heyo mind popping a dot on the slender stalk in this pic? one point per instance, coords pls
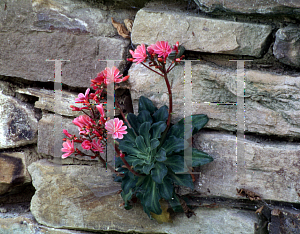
(126, 163)
(152, 69)
(118, 106)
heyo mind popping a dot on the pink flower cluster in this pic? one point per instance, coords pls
(93, 127)
(161, 49)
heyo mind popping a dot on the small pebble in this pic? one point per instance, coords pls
(3, 210)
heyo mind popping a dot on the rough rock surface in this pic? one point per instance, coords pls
(24, 223)
(47, 101)
(250, 6)
(287, 45)
(86, 198)
(200, 34)
(13, 170)
(272, 101)
(47, 136)
(18, 124)
(269, 169)
(41, 30)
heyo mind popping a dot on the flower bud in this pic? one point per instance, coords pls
(160, 60)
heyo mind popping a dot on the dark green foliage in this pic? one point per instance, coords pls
(159, 163)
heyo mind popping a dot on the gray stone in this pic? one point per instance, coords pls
(25, 223)
(47, 136)
(250, 6)
(52, 31)
(18, 125)
(271, 101)
(79, 197)
(198, 33)
(287, 45)
(47, 101)
(269, 169)
(13, 171)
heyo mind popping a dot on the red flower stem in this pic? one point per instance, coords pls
(117, 104)
(126, 163)
(129, 167)
(152, 70)
(170, 69)
(170, 99)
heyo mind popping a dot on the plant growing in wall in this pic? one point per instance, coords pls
(150, 149)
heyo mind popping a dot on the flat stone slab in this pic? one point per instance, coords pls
(198, 33)
(38, 32)
(250, 6)
(269, 169)
(272, 101)
(84, 197)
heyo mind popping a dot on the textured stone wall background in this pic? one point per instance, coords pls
(37, 195)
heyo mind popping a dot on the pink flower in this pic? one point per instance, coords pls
(150, 49)
(97, 146)
(101, 109)
(162, 49)
(86, 145)
(83, 121)
(68, 147)
(98, 80)
(114, 127)
(111, 75)
(67, 133)
(83, 98)
(139, 54)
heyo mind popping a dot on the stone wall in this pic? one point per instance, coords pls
(38, 195)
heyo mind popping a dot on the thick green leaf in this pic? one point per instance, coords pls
(175, 204)
(181, 50)
(128, 183)
(132, 119)
(166, 188)
(128, 147)
(127, 197)
(162, 114)
(154, 143)
(147, 168)
(159, 172)
(173, 144)
(199, 121)
(161, 155)
(146, 104)
(182, 179)
(175, 163)
(151, 198)
(140, 143)
(176, 130)
(134, 160)
(200, 158)
(140, 196)
(130, 136)
(157, 129)
(144, 116)
(144, 132)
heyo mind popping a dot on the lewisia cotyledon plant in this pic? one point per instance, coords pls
(150, 150)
